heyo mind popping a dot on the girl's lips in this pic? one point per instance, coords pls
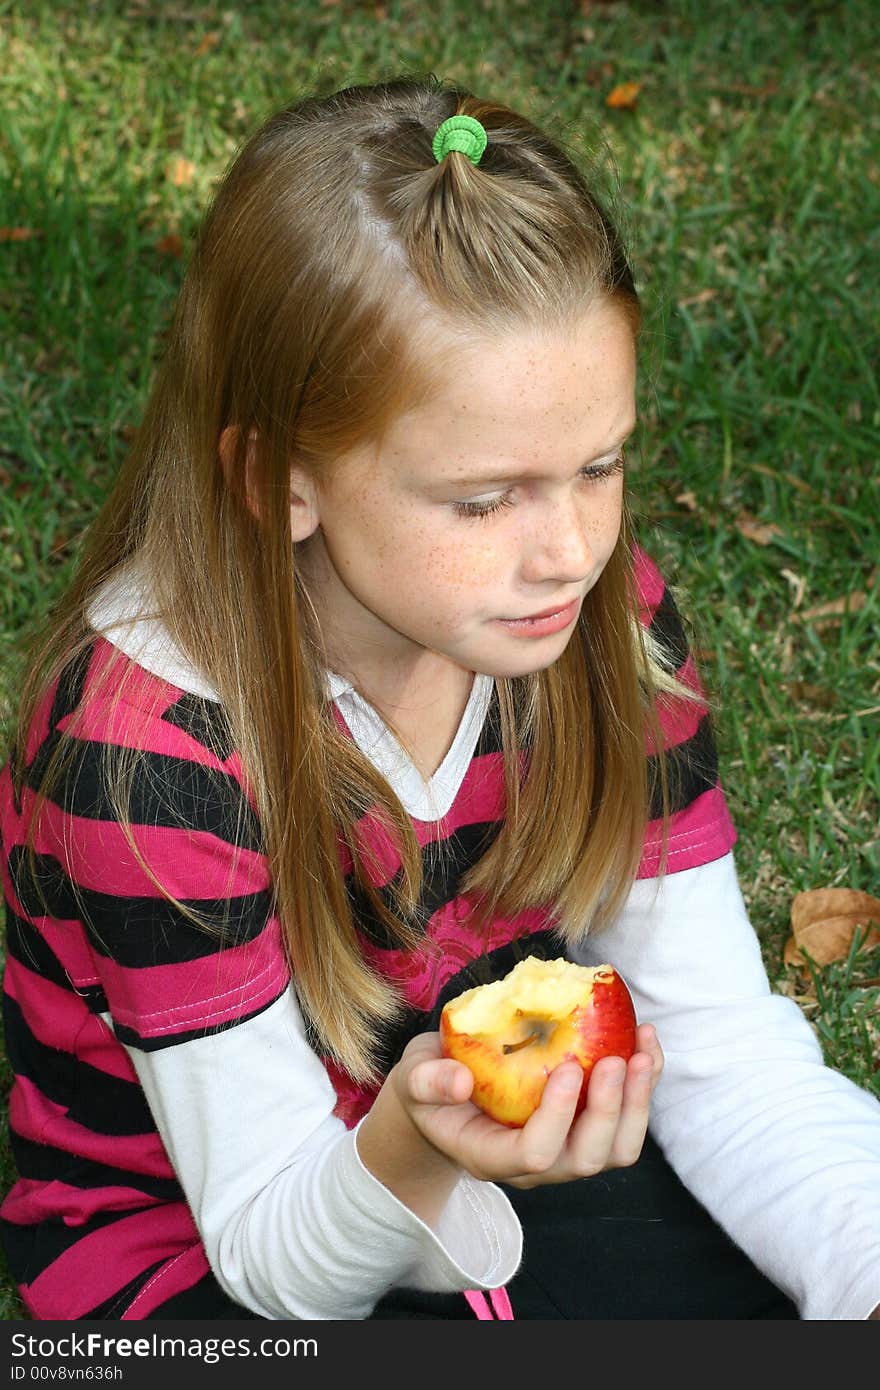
(545, 613)
(554, 621)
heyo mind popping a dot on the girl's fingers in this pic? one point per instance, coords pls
(593, 1138)
(427, 1078)
(611, 1131)
(646, 1041)
(612, 1128)
(544, 1134)
(439, 1083)
(635, 1108)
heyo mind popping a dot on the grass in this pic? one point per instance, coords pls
(750, 173)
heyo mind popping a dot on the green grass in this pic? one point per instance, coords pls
(750, 170)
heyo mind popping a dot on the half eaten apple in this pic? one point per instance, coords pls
(511, 1034)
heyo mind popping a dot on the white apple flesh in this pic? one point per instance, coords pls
(512, 1033)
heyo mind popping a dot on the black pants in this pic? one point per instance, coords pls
(631, 1243)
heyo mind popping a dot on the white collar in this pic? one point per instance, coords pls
(121, 613)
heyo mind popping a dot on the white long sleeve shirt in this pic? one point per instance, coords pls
(783, 1151)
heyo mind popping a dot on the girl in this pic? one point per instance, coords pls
(362, 693)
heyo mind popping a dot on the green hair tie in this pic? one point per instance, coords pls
(462, 133)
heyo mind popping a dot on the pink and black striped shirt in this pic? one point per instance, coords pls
(104, 972)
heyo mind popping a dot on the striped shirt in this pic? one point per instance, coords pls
(105, 975)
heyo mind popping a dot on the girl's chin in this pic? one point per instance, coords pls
(509, 670)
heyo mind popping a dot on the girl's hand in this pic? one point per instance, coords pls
(434, 1091)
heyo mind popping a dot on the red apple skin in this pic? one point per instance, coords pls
(508, 1085)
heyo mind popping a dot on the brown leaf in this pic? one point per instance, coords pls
(171, 245)
(208, 42)
(624, 96)
(824, 922)
(790, 478)
(847, 603)
(701, 297)
(761, 532)
(19, 233)
(180, 172)
(688, 500)
(16, 479)
(817, 696)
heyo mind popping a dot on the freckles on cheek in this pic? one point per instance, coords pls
(455, 567)
(454, 581)
(605, 524)
(441, 572)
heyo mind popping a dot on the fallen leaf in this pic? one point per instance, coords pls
(847, 603)
(18, 481)
(208, 42)
(171, 245)
(597, 74)
(624, 96)
(824, 922)
(19, 233)
(761, 532)
(820, 696)
(180, 172)
(790, 478)
(687, 500)
(701, 297)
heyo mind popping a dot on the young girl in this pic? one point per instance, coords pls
(362, 693)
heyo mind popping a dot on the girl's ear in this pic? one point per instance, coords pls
(303, 496)
(227, 448)
(304, 516)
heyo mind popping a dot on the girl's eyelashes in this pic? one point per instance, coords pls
(596, 472)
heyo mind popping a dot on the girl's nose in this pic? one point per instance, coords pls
(559, 547)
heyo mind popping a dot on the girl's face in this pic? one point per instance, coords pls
(497, 501)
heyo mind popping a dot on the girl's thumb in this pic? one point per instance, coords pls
(440, 1083)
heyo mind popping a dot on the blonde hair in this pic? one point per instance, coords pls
(333, 245)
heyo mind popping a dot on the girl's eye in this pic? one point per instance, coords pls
(596, 472)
